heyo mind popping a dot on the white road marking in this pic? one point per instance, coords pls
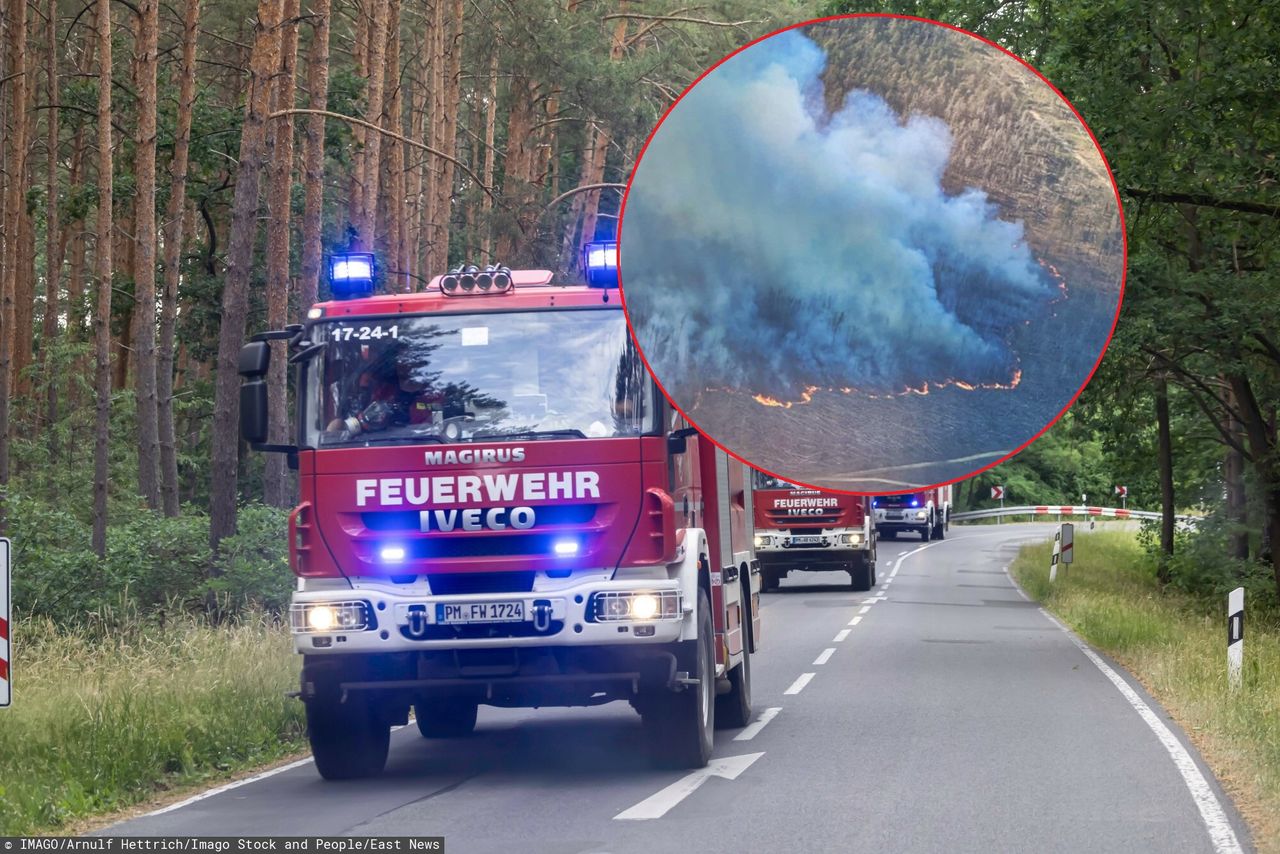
(658, 805)
(1211, 812)
(840, 636)
(798, 685)
(217, 790)
(753, 729)
(864, 609)
(871, 600)
(825, 656)
(855, 621)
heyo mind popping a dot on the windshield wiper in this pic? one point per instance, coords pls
(571, 433)
(356, 442)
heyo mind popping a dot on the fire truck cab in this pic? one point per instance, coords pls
(927, 512)
(806, 529)
(497, 506)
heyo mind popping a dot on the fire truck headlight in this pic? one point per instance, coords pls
(920, 514)
(321, 618)
(306, 617)
(762, 540)
(644, 606)
(853, 539)
(391, 554)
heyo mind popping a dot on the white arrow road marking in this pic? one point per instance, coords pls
(760, 723)
(825, 656)
(798, 685)
(656, 806)
(840, 635)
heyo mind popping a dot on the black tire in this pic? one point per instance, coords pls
(680, 726)
(769, 580)
(733, 710)
(940, 531)
(861, 574)
(889, 534)
(348, 740)
(445, 717)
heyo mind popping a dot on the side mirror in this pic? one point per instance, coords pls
(253, 408)
(677, 440)
(255, 358)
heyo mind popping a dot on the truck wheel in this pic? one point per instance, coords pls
(939, 531)
(889, 534)
(445, 717)
(348, 740)
(861, 574)
(768, 580)
(680, 726)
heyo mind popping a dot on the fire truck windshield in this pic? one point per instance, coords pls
(475, 378)
(768, 481)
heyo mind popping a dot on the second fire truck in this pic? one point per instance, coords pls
(927, 513)
(805, 529)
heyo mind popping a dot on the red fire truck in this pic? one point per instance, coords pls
(498, 507)
(804, 529)
(927, 512)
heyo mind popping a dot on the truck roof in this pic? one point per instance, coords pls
(531, 289)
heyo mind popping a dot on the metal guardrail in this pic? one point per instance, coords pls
(1063, 510)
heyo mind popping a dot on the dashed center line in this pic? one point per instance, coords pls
(855, 621)
(864, 609)
(840, 636)
(798, 685)
(753, 729)
(825, 656)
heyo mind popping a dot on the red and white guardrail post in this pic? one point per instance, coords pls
(6, 683)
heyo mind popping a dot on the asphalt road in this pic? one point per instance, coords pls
(940, 712)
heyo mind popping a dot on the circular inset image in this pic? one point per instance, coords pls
(872, 253)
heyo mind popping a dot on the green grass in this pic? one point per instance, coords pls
(1110, 597)
(120, 711)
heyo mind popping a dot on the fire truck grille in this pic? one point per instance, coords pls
(786, 520)
(477, 632)
(451, 583)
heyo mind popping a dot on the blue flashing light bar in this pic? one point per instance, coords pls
(600, 263)
(351, 275)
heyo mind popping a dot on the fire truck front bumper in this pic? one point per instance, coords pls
(375, 619)
(817, 551)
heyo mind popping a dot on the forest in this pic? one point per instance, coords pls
(150, 225)
(175, 173)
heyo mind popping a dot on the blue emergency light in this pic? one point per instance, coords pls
(600, 263)
(351, 275)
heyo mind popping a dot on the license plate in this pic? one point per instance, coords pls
(480, 612)
(806, 541)
(893, 515)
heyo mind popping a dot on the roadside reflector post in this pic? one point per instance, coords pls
(6, 678)
(1063, 551)
(1235, 636)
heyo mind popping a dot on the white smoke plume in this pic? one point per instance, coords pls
(769, 247)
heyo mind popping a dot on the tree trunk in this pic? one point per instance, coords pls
(1262, 448)
(1165, 466)
(313, 155)
(277, 485)
(174, 237)
(395, 202)
(15, 204)
(144, 223)
(235, 292)
(123, 254)
(445, 114)
(54, 240)
(517, 161)
(103, 267)
(490, 128)
(25, 296)
(370, 168)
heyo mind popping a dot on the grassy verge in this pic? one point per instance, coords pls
(1110, 597)
(108, 716)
